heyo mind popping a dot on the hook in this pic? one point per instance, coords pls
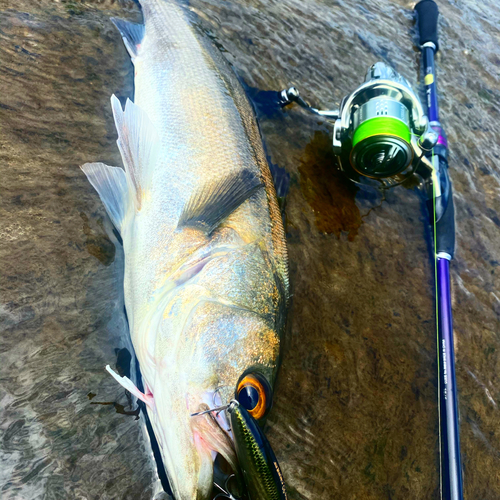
(217, 409)
(225, 494)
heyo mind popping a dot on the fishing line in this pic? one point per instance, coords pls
(376, 206)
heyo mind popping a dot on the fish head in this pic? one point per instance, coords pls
(197, 369)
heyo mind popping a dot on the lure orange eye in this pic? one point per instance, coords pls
(255, 395)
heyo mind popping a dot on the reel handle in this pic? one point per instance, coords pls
(428, 12)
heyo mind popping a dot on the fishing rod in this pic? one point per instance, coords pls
(444, 247)
(381, 137)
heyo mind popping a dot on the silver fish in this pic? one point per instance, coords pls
(206, 276)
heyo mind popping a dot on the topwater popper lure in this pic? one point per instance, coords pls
(381, 137)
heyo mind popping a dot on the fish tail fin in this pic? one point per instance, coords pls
(138, 143)
(132, 35)
(111, 185)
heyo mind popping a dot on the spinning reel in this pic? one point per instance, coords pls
(381, 134)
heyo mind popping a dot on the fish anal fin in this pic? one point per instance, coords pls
(138, 143)
(131, 33)
(111, 185)
(127, 384)
(209, 206)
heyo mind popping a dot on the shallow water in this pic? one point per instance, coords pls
(355, 412)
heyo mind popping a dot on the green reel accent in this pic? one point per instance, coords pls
(381, 147)
(381, 125)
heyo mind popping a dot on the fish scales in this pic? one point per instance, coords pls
(206, 276)
(206, 124)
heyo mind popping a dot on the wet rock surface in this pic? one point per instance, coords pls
(355, 411)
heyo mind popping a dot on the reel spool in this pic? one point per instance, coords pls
(381, 138)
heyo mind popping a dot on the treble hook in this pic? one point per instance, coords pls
(225, 494)
(216, 391)
(217, 409)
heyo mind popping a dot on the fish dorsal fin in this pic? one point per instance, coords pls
(209, 206)
(139, 144)
(131, 33)
(111, 184)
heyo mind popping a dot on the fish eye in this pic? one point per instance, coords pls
(254, 394)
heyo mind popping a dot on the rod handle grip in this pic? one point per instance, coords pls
(427, 11)
(445, 226)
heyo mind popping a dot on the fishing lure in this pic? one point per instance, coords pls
(257, 462)
(259, 466)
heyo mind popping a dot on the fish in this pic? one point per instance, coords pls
(206, 284)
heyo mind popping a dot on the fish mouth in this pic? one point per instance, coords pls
(211, 429)
(197, 451)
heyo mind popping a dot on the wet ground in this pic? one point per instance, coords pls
(355, 414)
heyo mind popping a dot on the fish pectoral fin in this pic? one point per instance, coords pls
(111, 185)
(139, 145)
(127, 384)
(131, 33)
(209, 206)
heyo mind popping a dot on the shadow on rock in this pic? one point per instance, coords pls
(329, 193)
